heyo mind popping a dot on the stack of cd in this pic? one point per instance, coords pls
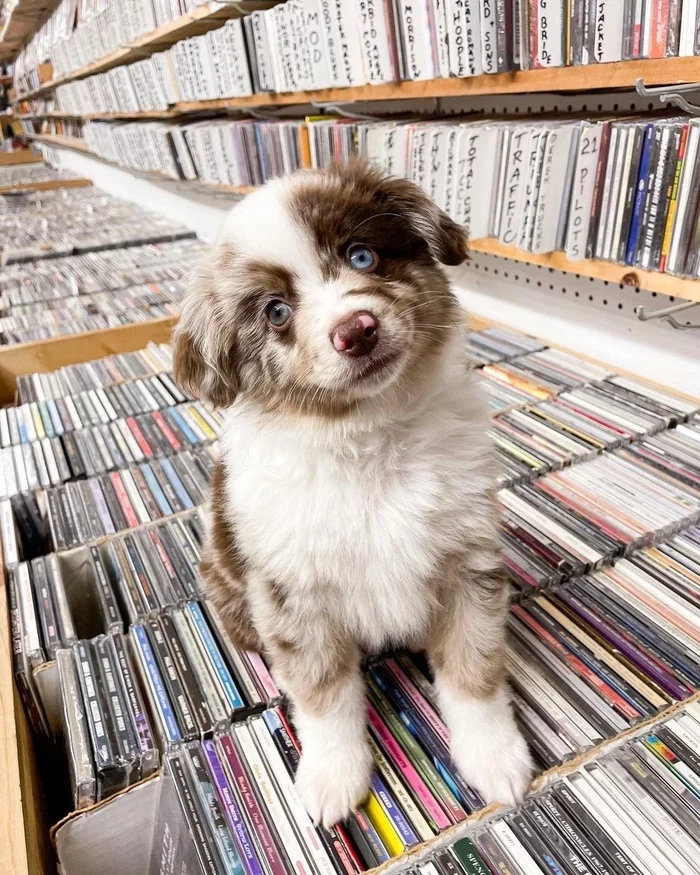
(675, 452)
(109, 742)
(195, 684)
(574, 521)
(529, 442)
(632, 415)
(561, 369)
(56, 412)
(514, 374)
(607, 649)
(636, 810)
(67, 221)
(91, 272)
(156, 566)
(500, 397)
(194, 679)
(498, 344)
(155, 359)
(671, 407)
(83, 511)
(35, 420)
(52, 460)
(578, 424)
(92, 312)
(231, 800)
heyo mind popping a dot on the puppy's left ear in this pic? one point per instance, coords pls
(447, 241)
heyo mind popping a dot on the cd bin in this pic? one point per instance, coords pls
(114, 837)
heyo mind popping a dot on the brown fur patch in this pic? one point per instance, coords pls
(314, 672)
(223, 570)
(467, 643)
(355, 202)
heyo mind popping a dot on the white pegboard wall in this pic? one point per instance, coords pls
(589, 316)
(528, 104)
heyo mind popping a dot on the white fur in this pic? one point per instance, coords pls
(486, 744)
(335, 778)
(283, 241)
(369, 513)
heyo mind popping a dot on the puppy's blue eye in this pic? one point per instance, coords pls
(278, 313)
(362, 257)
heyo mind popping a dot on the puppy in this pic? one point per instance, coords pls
(353, 507)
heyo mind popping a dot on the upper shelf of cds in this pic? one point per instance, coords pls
(22, 19)
(595, 77)
(302, 51)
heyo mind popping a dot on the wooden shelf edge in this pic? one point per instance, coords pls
(47, 355)
(21, 156)
(592, 77)
(100, 116)
(58, 140)
(635, 278)
(47, 185)
(13, 846)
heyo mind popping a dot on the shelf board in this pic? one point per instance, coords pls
(48, 355)
(101, 116)
(593, 77)
(47, 185)
(59, 140)
(635, 278)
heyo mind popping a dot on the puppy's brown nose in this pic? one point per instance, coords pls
(356, 335)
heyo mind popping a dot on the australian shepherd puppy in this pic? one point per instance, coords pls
(353, 506)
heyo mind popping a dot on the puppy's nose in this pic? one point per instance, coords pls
(356, 335)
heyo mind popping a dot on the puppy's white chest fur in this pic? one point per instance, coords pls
(362, 523)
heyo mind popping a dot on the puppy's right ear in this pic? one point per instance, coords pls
(204, 361)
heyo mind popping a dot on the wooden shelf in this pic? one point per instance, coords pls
(20, 156)
(593, 77)
(101, 116)
(25, 19)
(635, 278)
(59, 140)
(47, 185)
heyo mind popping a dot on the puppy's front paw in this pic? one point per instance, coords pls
(331, 783)
(488, 748)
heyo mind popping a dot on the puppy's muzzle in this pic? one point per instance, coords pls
(357, 335)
